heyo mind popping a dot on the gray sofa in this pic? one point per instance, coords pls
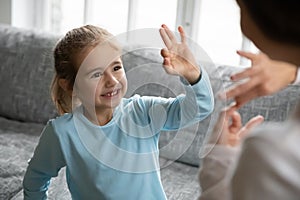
(26, 71)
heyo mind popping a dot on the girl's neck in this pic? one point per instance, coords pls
(98, 117)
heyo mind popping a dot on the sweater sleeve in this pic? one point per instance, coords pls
(214, 175)
(45, 164)
(268, 169)
(184, 110)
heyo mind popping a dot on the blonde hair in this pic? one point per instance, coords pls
(65, 52)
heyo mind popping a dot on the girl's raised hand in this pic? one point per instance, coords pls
(178, 59)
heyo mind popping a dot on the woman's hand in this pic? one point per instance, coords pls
(229, 130)
(178, 59)
(265, 76)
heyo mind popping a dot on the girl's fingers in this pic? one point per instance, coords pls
(182, 34)
(164, 53)
(165, 38)
(170, 34)
(167, 62)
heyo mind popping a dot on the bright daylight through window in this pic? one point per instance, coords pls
(213, 24)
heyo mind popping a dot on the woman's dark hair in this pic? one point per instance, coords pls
(277, 19)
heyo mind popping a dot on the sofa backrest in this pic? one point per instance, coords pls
(26, 72)
(185, 146)
(274, 108)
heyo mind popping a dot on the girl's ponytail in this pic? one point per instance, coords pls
(61, 100)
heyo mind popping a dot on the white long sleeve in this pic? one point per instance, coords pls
(268, 167)
(213, 176)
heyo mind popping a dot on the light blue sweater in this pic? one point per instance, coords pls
(120, 159)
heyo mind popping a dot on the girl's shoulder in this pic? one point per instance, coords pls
(61, 121)
(62, 126)
(65, 117)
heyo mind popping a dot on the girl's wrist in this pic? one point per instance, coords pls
(193, 76)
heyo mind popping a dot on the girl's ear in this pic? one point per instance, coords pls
(65, 85)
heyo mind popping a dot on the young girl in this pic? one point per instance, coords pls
(109, 144)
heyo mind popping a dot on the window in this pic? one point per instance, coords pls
(213, 24)
(153, 13)
(219, 31)
(111, 15)
(69, 14)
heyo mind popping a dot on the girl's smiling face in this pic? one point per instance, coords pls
(101, 81)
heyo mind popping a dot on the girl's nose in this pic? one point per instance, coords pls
(110, 80)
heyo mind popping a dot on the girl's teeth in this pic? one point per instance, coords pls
(111, 93)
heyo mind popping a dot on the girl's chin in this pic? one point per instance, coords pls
(112, 103)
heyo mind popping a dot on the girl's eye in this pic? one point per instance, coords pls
(116, 68)
(97, 75)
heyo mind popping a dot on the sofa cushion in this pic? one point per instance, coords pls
(17, 142)
(26, 72)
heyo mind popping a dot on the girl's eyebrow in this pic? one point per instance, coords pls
(94, 70)
(101, 68)
(115, 63)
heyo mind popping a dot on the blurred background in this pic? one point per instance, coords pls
(213, 24)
